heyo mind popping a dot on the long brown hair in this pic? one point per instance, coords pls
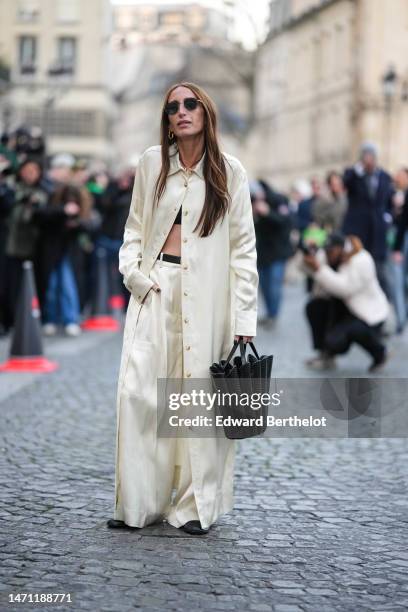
(217, 198)
(77, 194)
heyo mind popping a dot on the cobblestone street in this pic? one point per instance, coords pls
(319, 525)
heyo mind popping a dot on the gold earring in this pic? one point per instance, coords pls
(171, 134)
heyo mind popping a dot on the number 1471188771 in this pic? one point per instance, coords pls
(40, 597)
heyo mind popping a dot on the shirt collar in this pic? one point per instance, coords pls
(176, 166)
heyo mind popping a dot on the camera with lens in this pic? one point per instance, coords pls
(308, 249)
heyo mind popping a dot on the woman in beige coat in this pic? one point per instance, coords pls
(189, 260)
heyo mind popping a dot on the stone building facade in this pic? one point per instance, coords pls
(320, 91)
(153, 47)
(58, 52)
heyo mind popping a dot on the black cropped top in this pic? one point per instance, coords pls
(177, 220)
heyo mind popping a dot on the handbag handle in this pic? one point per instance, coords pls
(232, 351)
(252, 345)
(242, 346)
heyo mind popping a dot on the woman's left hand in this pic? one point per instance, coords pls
(245, 338)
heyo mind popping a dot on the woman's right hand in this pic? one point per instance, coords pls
(71, 208)
(155, 288)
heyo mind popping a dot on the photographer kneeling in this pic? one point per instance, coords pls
(348, 304)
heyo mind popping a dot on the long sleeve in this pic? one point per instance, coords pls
(6, 200)
(275, 218)
(130, 253)
(243, 258)
(350, 278)
(347, 178)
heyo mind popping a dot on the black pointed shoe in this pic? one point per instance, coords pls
(115, 524)
(194, 528)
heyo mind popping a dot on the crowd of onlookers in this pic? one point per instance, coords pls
(56, 212)
(353, 233)
(60, 211)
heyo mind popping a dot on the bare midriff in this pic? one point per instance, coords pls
(172, 244)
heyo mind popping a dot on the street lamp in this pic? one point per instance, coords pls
(389, 85)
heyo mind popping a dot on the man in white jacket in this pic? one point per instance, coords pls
(354, 306)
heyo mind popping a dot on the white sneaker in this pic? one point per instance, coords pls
(49, 329)
(73, 330)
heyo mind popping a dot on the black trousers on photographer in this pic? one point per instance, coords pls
(334, 329)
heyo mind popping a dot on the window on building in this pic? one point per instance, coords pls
(123, 18)
(28, 10)
(65, 122)
(196, 19)
(66, 54)
(145, 19)
(27, 54)
(67, 10)
(171, 18)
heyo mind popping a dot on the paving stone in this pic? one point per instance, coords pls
(286, 584)
(317, 525)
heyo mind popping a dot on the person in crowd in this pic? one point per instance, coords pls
(6, 205)
(348, 305)
(114, 209)
(370, 192)
(306, 208)
(272, 227)
(8, 151)
(30, 196)
(29, 142)
(61, 168)
(300, 190)
(80, 173)
(328, 212)
(95, 181)
(68, 211)
(311, 235)
(399, 258)
(83, 259)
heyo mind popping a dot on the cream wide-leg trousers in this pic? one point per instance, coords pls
(155, 478)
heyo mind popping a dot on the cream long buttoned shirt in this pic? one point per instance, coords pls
(220, 278)
(219, 283)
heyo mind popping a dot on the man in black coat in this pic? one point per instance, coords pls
(369, 190)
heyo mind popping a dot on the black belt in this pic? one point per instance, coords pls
(172, 258)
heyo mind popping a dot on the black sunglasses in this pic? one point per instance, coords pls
(190, 104)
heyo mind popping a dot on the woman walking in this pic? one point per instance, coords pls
(189, 261)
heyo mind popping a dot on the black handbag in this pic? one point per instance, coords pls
(245, 375)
